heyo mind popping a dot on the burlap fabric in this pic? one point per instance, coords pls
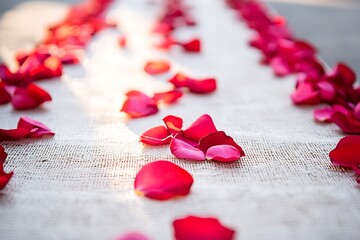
(79, 184)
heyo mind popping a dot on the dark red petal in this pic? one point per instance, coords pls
(180, 80)
(223, 153)
(357, 111)
(202, 86)
(167, 97)
(4, 177)
(157, 67)
(174, 124)
(183, 150)
(305, 94)
(346, 122)
(13, 134)
(162, 180)
(156, 136)
(192, 45)
(202, 126)
(218, 138)
(37, 129)
(139, 105)
(346, 153)
(3, 154)
(192, 227)
(133, 236)
(30, 97)
(5, 96)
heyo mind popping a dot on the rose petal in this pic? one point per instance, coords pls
(357, 111)
(223, 153)
(122, 41)
(4, 177)
(202, 126)
(157, 67)
(192, 46)
(202, 86)
(280, 67)
(179, 80)
(3, 154)
(37, 129)
(167, 97)
(346, 122)
(346, 153)
(156, 136)
(323, 114)
(342, 74)
(183, 150)
(139, 105)
(199, 228)
(133, 236)
(218, 138)
(5, 96)
(174, 124)
(13, 134)
(163, 180)
(30, 97)
(327, 91)
(305, 94)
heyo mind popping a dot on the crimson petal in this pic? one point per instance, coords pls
(4, 177)
(346, 122)
(202, 126)
(202, 86)
(305, 94)
(180, 80)
(13, 134)
(174, 124)
(199, 228)
(156, 136)
(5, 96)
(157, 67)
(192, 46)
(139, 105)
(346, 153)
(3, 154)
(162, 180)
(37, 129)
(29, 97)
(167, 97)
(183, 150)
(323, 114)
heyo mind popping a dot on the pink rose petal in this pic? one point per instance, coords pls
(183, 150)
(223, 153)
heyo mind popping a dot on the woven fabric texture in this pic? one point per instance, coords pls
(79, 184)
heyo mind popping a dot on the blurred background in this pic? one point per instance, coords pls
(333, 26)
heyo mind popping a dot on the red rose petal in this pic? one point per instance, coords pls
(346, 122)
(122, 41)
(218, 138)
(223, 153)
(167, 97)
(133, 236)
(183, 150)
(192, 46)
(202, 126)
(357, 111)
(192, 227)
(3, 154)
(202, 86)
(13, 134)
(174, 124)
(342, 74)
(163, 180)
(5, 96)
(156, 136)
(180, 80)
(327, 91)
(346, 153)
(139, 105)
(157, 67)
(280, 67)
(4, 177)
(30, 97)
(37, 129)
(323, 114)
(305, 94)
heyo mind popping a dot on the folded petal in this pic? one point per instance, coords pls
(223, 153)
(202, 86)
(4, 177)
(157, 67)
(139, 105)
(346, 153)
(29, 97)
(218, 138)
(156, 136)
(183, 150)
(192, 46)
(202, 126)
(37, 129)
(199, 228)
(167, 97)
(162, 180)
(174, 124)
(180, 80)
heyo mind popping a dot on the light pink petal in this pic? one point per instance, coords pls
(323, 114)
(133, 236)
(182, 150)
(202, 126)
(223, 153)
(156, 136)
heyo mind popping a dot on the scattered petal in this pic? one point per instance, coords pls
(162, 180)
(157, 67)
(202, 126)
(192, 46)
(122, 41)
(180, 80)
(183, 150)
(199, 228)
(174, 124)
(305, 94)
(3, 154)
(346, 122)
(202, 86)
(167, 97)
(4, 177)
(223, 153)
(37, 129)
(347, 154)
(323, 114)
(156, 136)
(29, 97)
(139, 105)
(5, 96)
(133, 236)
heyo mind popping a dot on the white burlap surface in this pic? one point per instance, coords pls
(79, 184)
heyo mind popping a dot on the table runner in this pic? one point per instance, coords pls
(79, 184)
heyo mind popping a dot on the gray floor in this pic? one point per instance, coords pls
(333, 26)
